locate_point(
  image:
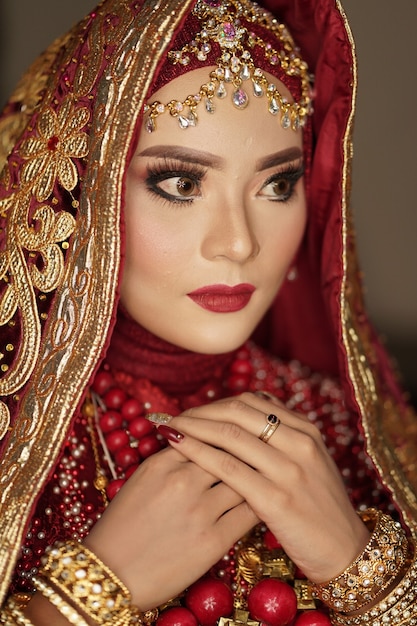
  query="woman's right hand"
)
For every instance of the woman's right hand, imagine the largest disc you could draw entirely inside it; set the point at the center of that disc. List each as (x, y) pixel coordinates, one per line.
(167, 526)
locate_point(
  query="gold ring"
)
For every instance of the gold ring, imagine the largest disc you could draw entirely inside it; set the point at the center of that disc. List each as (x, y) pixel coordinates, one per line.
(272, 423)
(159, 418)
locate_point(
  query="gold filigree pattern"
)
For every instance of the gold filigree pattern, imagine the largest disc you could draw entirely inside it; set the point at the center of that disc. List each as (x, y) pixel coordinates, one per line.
(49, 155)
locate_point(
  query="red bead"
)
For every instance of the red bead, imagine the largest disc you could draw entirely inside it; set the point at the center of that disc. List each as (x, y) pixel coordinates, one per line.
(131, 409)
(140, 427)
(114, 398)
(116, 440)
(110, 420)
(209, 599)
(126, 456)
(177, 616)
(238, 382)
(114, 487)
(312, 618)
(273, 602)
(270, 541)
(242, 366)
(148, 446)
(102, 383)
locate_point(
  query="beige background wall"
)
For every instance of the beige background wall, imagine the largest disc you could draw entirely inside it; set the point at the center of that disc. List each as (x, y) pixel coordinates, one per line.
(385, 165)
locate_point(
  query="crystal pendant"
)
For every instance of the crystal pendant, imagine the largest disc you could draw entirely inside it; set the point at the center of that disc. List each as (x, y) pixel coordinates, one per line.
(273, 106)
(245, 73)
(221, 91)
(286, 121)
(210, 108)
(183, 121)
(258, 90)
(150, 125)
(228, 76)
(192, 119)
(240, 98)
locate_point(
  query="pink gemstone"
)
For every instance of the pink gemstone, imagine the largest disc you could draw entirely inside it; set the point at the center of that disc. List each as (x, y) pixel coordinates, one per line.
(228, 30)
(213, 3)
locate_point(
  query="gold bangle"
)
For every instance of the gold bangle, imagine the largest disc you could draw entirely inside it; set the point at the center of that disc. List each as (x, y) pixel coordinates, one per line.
(89, 584)
(381, 562)
(69, 612)
(13, 610)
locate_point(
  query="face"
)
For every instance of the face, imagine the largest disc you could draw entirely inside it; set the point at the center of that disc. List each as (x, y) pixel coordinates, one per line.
(214, 217)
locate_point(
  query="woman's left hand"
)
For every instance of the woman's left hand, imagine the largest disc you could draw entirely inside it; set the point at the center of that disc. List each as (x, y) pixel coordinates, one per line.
(290, 482)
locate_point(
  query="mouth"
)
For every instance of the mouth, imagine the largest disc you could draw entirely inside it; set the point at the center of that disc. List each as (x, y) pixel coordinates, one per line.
(222, 298)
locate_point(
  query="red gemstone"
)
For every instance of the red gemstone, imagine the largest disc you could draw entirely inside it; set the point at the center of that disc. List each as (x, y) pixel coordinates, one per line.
(126, 456)
(116, 440)
(53, 143)
(148, 446)
(312, 618)
(273, 602)
(140, 427)
(102, 383)
(209, 599)
(114, 487)
(177, 616)
(110, 420)
(114, 398)
(131, 409)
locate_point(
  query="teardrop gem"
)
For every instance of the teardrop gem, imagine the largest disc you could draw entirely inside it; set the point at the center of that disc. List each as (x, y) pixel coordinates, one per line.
(221, 91)
(286, 121)
(183, 121)
(150, 125)
(258, 90)
(210, 108)
(192, 119)
(240, 98)
(245, 74)
(273, 106)
(228, 76)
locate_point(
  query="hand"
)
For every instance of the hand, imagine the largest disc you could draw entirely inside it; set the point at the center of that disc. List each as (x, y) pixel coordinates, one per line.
(167, 526)
(291, 482)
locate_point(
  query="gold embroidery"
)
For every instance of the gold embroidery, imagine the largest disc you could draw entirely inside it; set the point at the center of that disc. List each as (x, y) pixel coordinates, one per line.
(49, 155)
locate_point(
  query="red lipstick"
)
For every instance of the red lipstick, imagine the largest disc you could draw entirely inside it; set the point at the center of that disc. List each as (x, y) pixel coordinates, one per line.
(222, 298)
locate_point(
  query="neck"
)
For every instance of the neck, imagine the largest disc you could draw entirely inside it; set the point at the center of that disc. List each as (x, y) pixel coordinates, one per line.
(136, 351)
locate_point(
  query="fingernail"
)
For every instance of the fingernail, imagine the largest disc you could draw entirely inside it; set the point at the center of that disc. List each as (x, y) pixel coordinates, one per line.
(266, 395)
(159, 418)
(170, 433)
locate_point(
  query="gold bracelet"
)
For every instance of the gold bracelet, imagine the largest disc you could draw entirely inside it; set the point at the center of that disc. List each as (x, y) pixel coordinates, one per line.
(54, 598)
(372, 571)
(398, 607)
(89, 584)
(13, 610)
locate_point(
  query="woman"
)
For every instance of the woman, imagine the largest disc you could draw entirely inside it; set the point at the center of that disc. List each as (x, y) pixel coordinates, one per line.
(146, 235)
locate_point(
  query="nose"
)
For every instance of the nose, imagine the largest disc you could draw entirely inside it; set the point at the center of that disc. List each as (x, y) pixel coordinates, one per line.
(230, 234)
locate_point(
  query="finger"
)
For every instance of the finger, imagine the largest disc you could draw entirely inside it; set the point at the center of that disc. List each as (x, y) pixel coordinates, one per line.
(222, 498)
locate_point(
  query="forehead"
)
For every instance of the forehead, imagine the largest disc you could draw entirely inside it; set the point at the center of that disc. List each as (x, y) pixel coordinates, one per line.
(231, 132)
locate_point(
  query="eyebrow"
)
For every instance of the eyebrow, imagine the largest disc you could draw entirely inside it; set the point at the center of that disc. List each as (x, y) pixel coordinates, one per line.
(208, 159)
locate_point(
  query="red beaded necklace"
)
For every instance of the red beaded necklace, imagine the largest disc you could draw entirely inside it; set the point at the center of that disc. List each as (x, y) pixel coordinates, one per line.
(255, 583)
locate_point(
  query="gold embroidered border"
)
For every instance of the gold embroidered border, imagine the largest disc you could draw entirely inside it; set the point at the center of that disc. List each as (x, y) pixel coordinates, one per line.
(380, 419)
(85, 300)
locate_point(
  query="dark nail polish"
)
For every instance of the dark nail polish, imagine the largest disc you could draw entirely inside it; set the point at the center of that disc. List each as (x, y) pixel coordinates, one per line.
(170, 433)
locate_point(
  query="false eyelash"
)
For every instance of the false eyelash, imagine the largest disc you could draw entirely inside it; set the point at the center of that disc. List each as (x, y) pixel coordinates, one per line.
(292, 173)
(168, 168)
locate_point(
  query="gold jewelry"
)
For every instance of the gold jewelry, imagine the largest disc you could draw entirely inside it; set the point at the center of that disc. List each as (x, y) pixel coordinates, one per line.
(381, 562)
(272, 423)
(89, 584)
(69, 612)
(398, 607)
(14, 610)
(222, 24)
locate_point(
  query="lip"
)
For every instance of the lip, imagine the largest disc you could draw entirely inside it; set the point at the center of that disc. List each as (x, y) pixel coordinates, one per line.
(223, 298)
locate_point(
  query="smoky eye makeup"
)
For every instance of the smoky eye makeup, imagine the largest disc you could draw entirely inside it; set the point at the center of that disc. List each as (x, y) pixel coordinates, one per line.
(280, 186)
(178, 182)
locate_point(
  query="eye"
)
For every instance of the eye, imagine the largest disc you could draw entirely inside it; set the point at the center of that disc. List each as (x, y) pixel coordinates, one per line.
(180, 185)
(280, 187)
(174, 185)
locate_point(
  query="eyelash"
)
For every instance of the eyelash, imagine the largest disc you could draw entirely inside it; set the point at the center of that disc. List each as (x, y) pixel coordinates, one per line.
(166, 169)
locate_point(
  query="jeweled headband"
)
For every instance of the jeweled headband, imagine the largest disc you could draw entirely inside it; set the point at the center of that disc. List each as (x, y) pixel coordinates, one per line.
(236, 36)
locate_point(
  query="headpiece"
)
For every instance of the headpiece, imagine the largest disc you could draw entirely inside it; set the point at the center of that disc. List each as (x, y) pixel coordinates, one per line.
(235, 36)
